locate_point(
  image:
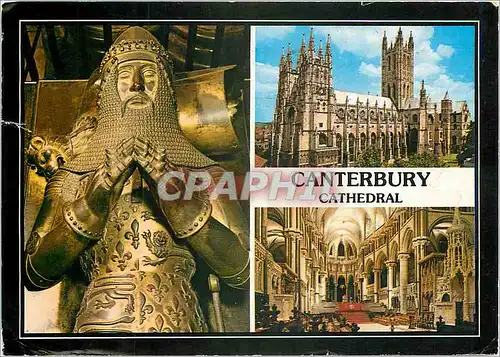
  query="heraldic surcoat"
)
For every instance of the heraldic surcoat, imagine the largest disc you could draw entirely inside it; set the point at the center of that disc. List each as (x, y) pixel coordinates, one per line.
(140, 273)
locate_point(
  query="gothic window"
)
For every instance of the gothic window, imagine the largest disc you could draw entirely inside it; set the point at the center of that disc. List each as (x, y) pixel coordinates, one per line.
(340, 112)
(331, 250)
(443, 245)
(320, 125)
(415, 118)
(349, 251)
(351, 144)
(363, 141)
(339, 141)
(389, 62)
(373, 139)
(371, 276)
(372, 114)
(322, 139)
(431, 119)
(445, 298)
(383, 277)
(411, 268)
(341, 250)
(362, 114)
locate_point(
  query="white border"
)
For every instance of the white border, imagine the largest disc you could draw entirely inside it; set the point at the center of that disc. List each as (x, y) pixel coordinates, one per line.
(23, 335)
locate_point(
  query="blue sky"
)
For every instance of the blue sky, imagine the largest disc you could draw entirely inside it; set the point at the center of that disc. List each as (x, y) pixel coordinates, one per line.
(444, 58)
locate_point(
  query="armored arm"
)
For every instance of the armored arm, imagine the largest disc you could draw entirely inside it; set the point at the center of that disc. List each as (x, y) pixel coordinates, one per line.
(52, 246)
(217, 230)
(224, 246)
(63, 231)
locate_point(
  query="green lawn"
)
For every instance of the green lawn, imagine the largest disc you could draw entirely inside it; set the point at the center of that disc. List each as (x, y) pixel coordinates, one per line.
(449, 160)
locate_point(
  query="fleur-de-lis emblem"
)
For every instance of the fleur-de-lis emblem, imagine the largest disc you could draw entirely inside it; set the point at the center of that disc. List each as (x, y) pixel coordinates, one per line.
(122, 257)
(175, 312)
(159, 290)
(186, 292)
(145, 309)
(118, 218)
(134, 234)
(159, 325)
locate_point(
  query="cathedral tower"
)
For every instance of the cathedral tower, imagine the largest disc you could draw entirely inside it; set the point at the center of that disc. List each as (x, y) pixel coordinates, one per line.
(397, 69)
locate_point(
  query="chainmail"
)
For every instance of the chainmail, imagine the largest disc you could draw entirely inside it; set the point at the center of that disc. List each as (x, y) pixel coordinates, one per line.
(156, 124)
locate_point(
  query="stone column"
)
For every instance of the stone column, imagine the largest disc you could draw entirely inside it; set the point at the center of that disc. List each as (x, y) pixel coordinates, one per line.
(360, 285)
(390, 280)
(419, 249)
(322, 286)
(316, 286)
(466, 300)
(376, 284)
(364, 287)
(403, 279)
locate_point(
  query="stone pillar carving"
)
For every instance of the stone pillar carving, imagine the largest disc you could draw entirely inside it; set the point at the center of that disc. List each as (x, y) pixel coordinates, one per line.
(390, 280)
(376, 284)
(466, 300)
(322, 286)
(403, 279)
(419, 249)
(360, 286)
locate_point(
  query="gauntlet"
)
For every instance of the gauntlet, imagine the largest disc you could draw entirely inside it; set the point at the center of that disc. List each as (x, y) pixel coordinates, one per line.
(185, 216)
(88, 215)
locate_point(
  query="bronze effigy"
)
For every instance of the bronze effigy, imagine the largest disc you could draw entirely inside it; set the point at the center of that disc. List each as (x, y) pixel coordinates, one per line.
(124, 257)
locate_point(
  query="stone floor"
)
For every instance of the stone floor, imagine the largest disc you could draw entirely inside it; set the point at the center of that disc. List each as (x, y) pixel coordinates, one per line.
(373, 327)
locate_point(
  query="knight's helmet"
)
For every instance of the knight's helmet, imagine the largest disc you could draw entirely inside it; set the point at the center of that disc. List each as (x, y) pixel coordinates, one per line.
(159, 126)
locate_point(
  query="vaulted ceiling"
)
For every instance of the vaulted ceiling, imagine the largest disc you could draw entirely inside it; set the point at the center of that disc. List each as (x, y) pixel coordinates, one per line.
(347, 225)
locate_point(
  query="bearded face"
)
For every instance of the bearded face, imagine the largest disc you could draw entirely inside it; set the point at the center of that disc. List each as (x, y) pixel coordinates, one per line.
(137, 83)
(137, 100)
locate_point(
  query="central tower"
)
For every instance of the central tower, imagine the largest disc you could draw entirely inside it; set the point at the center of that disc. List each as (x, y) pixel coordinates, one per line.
(397, 69)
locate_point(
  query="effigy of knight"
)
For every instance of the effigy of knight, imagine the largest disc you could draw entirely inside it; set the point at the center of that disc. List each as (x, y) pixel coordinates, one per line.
(103, 224)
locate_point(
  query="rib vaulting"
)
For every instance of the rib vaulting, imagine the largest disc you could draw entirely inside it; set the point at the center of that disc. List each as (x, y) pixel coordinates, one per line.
(317, 125)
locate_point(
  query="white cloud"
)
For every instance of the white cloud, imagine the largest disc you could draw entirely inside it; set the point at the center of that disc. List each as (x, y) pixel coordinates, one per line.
(273, 32)
(369, 70)
(445, 51)
(424, 70)
(366, 41)
(266, 77)
(457, 90)
(266, 87)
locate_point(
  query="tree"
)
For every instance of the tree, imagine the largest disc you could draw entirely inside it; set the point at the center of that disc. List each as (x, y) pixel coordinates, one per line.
(469, 146)
(369, 158)
(419, 160)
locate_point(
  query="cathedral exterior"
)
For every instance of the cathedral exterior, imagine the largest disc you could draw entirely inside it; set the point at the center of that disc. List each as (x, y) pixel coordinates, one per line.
(319, 126)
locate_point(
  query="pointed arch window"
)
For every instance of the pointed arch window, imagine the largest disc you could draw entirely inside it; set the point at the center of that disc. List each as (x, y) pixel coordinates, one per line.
(341, 250)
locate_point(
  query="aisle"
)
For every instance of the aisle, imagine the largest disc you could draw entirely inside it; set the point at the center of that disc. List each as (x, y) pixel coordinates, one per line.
(373, 327)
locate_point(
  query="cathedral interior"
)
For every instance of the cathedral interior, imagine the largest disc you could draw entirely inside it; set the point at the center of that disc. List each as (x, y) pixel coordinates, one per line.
(317, 124)
(412, 268)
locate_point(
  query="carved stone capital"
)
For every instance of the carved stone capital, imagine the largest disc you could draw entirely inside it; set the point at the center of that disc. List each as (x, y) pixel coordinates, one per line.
(404, 256)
